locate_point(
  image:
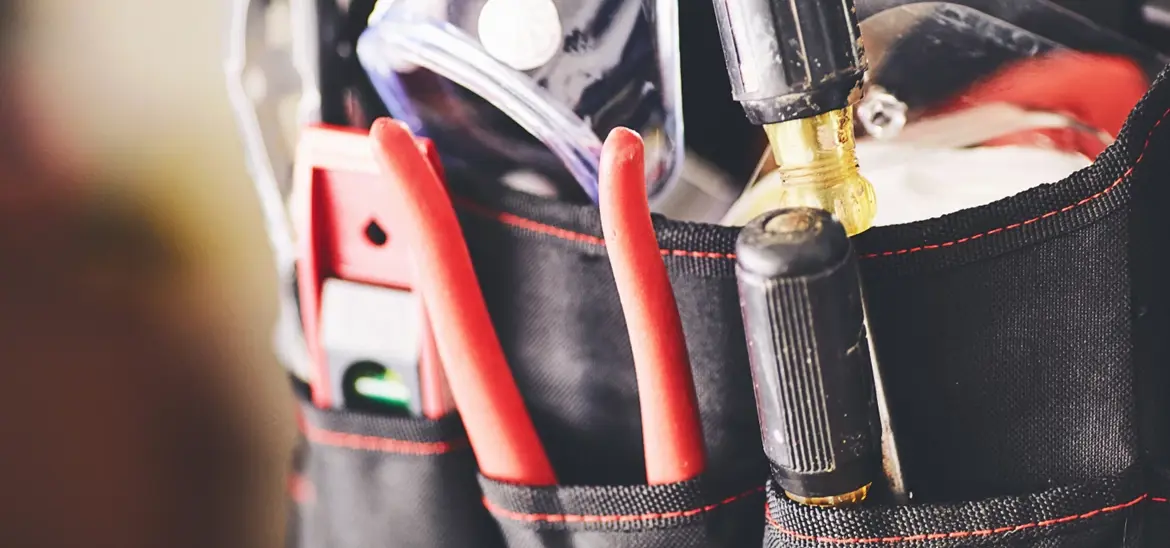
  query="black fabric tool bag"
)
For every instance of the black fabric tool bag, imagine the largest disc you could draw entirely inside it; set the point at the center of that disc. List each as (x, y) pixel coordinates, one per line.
(1024, 345)
(365, 480)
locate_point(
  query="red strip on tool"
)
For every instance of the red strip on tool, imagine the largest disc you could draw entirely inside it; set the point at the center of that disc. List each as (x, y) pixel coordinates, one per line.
(671, 431)
(342, 192)
(498, 425)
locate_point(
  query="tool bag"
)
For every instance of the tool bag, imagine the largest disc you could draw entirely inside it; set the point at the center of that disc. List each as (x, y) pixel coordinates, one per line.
(1024, 346)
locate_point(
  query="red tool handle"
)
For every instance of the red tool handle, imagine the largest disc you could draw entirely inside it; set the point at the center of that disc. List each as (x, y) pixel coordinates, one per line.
(671, 431)
(340, 194)
(498, 426)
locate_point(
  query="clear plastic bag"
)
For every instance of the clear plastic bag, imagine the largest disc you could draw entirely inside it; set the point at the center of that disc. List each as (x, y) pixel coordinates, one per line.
(532, 85)
(931, 55)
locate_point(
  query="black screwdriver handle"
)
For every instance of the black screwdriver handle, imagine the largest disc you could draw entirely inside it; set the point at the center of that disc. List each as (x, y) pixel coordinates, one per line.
(801, 301)
(791, 59)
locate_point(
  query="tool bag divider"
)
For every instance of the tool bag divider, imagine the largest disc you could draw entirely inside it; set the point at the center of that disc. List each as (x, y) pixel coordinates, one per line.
(1025, 344)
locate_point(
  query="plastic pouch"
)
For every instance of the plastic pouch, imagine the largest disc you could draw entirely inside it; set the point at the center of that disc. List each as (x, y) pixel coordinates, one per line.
(529, 85)
(932, 57)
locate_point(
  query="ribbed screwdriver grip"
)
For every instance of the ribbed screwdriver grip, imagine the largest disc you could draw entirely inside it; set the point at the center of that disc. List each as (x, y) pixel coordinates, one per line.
(801, 301)
(801, 392)
(790, 59)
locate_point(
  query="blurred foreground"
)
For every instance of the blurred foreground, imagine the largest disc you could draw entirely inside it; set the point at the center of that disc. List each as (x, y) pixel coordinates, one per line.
(141, 404)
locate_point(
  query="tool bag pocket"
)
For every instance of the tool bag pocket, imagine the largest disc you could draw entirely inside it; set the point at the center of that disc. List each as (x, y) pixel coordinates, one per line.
(1157, 531)
(1023, 345)
(683, 515)
(1108, 512)
(370, 481)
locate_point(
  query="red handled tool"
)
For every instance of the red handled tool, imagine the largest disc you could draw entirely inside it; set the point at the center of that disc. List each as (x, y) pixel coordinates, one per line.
(350, 233)
(671, 431)
(498, 425)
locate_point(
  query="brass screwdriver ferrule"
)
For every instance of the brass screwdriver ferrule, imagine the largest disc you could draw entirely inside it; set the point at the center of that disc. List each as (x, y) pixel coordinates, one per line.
(817, 162)
(853, 497)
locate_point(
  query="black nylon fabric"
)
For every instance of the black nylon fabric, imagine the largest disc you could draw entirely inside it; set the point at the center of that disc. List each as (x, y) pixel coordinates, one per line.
(686, 515)
(1016, 337)
(1025, 344)
(1044, 325)
(1150, 226)
(379, 482)
(1037, 389)
(1097, 513)
(557, 314)
(1156, 530)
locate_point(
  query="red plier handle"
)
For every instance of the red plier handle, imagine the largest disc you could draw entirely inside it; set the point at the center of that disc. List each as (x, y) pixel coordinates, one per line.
(498, 425)
(672, 434)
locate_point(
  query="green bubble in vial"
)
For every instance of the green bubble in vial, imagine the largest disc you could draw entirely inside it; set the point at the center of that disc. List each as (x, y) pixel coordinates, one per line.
(386, 388)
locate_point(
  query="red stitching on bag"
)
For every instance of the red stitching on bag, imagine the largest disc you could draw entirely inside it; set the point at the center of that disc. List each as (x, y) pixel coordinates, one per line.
(527, 224)
(556, 232)
(1160, 499)
(955, 534)
(373, 443)
(549, 230)
(572, 518)
(1125, 176)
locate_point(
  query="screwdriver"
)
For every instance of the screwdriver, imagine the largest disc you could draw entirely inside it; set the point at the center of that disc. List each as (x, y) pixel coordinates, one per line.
(796, 67)
(803, 315)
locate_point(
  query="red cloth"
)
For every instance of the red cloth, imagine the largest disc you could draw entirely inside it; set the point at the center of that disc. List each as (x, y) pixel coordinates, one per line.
(1094, 89)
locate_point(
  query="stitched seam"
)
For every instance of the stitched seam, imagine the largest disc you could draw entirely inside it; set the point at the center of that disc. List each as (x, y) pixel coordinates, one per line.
(955, 534)
(372, 443)
(564, 234)
(1124, 177)
(1160, 499)
(576, 518)
(561, 233)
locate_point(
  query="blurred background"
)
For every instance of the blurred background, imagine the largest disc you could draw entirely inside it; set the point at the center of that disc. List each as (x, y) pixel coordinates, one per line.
(140, 401)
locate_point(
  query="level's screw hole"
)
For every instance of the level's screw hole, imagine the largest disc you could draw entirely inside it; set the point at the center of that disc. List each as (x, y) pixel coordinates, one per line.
(375, 234)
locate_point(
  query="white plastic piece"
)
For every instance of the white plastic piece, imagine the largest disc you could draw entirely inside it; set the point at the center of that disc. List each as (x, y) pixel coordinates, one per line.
(369, 320)
(702, 193)
(523, 34)
(365, 323)
(982, 123)
(915, 183)
(529, 182)
(925, 170)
